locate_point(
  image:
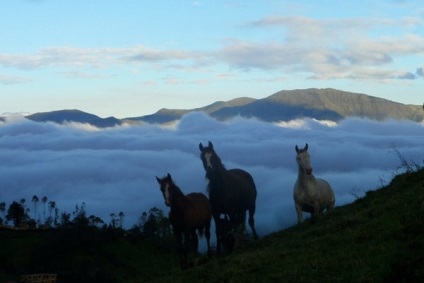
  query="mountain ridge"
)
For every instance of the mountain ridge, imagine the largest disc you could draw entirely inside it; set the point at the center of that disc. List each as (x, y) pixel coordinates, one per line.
(322, 104)
(285, 105)
(74, 115)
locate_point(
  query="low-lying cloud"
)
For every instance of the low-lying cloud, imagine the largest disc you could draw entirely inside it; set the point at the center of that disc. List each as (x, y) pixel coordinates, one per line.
(113, 170)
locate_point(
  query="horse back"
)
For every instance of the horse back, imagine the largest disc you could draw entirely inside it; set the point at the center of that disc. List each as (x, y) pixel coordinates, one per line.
(327, 193)
(245, 185)
(199, 210)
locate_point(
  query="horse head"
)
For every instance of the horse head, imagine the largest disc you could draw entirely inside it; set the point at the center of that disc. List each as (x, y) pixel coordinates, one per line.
(210, 159)
(303, 159)
(166, 184)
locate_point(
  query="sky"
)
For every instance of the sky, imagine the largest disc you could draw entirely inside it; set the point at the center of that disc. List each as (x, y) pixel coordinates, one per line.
(115, 169)
(131, 58)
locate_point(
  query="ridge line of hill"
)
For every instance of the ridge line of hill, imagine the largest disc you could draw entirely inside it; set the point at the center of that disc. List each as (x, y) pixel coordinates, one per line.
(321, 104)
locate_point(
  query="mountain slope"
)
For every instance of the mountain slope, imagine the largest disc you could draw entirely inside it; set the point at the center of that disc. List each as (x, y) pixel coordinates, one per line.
(378, 238)
(321, 104)
(345, 103)
(78, 116)
(165, 115)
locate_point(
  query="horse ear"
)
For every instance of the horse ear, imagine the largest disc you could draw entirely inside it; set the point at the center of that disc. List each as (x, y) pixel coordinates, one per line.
(306, 147)
(201, 146)
(297, 149)
(169, 176)
(210, 145)
(157, 179)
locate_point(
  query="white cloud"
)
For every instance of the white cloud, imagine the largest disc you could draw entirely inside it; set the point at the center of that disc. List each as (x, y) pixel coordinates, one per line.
(333, 54)
(11, 80)
(93, 57)
(114, 170)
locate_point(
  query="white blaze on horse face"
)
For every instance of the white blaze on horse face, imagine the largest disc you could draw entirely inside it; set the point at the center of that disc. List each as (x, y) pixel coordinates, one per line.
(304, 162)
(166, 195)
(208, 156)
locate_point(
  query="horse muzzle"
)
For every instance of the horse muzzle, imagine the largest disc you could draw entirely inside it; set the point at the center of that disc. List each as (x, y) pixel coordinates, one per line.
(167, 202)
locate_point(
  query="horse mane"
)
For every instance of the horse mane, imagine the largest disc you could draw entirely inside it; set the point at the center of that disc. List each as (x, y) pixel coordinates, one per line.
(177, 189)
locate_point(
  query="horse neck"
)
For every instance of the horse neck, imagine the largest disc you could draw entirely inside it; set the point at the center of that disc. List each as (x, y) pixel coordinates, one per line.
(178, 199)
(304, 178)
(217, 179)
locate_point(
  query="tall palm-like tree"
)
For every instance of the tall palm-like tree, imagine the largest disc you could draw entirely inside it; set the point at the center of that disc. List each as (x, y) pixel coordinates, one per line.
(44, 200)
(121, 219)
(52, 206)
(35, 202)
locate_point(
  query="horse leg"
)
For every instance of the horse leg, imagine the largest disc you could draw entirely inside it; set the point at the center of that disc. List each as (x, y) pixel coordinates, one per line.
(330, 208)
(316, 213)
(181, 249)
(217, 231)
(252, 222)
(208, 237)
(241, 220)
(233, 220)
(187, 245)
(299, 213)
(195, 241)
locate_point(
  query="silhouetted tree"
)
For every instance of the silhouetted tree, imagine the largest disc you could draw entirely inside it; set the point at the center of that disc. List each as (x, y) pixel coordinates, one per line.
(65, 219)
(80, 216)
(2, 211)
(35, 202)
(121, 219)
(51, 206)
(154, 223)
(26, 210)
(95, 221)
(56, 217)
(164, 225)
(16, 214)
(44, 200)
(113, 220)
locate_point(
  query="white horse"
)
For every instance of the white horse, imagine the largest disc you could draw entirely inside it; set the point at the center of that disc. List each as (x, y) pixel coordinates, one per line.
(310, 194)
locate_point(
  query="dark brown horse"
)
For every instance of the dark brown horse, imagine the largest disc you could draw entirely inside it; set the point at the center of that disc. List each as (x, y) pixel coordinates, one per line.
(231, 192)
(188, 213)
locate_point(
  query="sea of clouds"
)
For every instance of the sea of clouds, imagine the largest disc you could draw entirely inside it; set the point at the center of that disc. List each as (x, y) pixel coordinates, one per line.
(113, 170)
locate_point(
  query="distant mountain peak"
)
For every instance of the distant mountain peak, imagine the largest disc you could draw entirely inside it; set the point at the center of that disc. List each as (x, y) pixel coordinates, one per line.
(74, 115)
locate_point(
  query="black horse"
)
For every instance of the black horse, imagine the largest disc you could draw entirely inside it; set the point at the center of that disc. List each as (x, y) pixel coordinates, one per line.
(231, 192)
(188, 213)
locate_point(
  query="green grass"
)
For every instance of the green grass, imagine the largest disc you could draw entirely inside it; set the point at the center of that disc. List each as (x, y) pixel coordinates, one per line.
(378, 238)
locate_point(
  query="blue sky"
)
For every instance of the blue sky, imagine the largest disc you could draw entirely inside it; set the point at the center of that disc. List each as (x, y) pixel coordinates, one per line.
(131, 58)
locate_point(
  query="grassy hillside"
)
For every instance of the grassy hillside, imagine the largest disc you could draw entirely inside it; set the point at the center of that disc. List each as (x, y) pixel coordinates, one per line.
(378, 238)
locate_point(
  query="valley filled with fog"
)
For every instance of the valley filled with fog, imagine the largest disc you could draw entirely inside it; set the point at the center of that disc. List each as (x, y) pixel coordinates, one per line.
(113, 169)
